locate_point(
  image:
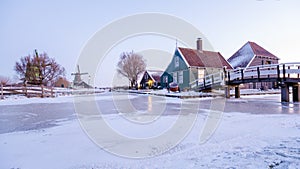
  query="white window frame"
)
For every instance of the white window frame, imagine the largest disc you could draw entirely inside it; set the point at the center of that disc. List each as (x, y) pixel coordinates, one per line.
(180, 77)
(201, 75)
(175, 77)
(176, 61)
(166, 79)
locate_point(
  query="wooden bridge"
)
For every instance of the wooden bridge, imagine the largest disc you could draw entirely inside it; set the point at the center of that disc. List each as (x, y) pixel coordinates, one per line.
(286, 75)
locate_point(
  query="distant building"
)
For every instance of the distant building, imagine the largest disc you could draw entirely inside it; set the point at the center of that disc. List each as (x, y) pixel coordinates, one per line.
(251, 54)
(78, 82)
(189, 66)
(151, 79)
(62, 82)
(80, 85)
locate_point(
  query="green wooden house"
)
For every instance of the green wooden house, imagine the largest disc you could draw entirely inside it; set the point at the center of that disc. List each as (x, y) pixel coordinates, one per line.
(188, 66)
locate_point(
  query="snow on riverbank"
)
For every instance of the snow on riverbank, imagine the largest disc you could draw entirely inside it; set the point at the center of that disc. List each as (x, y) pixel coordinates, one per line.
(61, 95)
(20, 99)
(194, 94)
(241, 141)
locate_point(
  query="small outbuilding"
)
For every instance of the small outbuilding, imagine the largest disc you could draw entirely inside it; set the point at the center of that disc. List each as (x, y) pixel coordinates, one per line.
(151, 79)
(62, 82)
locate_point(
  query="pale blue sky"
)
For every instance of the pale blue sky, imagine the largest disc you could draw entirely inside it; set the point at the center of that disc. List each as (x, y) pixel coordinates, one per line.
(61, 28)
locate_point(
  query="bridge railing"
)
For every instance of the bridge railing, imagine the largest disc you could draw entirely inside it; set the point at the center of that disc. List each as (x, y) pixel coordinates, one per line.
(208, 80)
(253, 73)
(279, 71)
(291, 70)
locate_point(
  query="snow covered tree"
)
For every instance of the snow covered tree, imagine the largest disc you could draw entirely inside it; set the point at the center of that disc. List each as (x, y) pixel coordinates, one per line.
(39, 69)
(131, 65)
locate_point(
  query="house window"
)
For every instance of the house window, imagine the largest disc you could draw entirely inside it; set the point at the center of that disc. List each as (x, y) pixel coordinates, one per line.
(175, 77)
(166, 79)
(180, 77)
(176, 61)
(268, 62)
(200, 75)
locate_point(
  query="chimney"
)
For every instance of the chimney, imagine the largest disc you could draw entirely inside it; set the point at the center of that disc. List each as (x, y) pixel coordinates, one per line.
(199, 44)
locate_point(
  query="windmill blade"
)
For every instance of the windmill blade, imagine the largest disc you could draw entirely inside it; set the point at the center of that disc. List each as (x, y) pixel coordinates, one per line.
(78, 70)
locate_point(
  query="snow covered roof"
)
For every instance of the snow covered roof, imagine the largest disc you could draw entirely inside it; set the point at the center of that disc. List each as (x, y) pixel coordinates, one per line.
(203, 58)
(155, 74)
(245, 54)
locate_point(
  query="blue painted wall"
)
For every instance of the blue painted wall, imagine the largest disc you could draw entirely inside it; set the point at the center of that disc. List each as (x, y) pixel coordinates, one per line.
(177, 67)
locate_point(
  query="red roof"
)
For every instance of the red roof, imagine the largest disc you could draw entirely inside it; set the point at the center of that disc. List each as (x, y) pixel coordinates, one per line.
(204, 58)
(246, 53)
(260, 51)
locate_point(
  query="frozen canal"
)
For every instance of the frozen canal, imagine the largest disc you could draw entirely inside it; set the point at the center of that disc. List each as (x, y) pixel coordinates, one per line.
(35, 115)
(253, 132)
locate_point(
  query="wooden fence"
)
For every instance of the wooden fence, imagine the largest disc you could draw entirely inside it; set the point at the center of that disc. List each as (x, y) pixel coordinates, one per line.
(28, 91)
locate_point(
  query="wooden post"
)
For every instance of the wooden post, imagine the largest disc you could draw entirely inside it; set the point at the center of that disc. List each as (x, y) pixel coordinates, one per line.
(237, 92)
(225, 73)
(2, 97)
(278, 73)
(25, 89)
(42, 87)
(285, 97)
(283, 71)
(52, 93)
(227, 92)
(258, 74)
(296, 93)
(242, 74)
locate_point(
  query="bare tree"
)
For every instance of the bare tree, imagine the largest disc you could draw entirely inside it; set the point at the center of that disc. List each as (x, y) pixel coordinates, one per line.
(39, 69)
(131, 65)
(3, 82)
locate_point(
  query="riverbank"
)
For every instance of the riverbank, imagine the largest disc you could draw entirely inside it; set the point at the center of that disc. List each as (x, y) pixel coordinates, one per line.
(193, 94)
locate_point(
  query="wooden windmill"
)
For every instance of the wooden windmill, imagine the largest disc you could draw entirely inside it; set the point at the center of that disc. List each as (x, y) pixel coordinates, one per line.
(77, 79)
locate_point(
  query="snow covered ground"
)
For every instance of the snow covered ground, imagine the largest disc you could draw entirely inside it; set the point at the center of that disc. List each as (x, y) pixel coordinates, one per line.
(245, 136)
(194, 94)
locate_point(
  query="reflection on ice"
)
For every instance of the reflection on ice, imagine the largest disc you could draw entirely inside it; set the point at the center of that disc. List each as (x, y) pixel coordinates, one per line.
(149, 103)
(290, 108)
